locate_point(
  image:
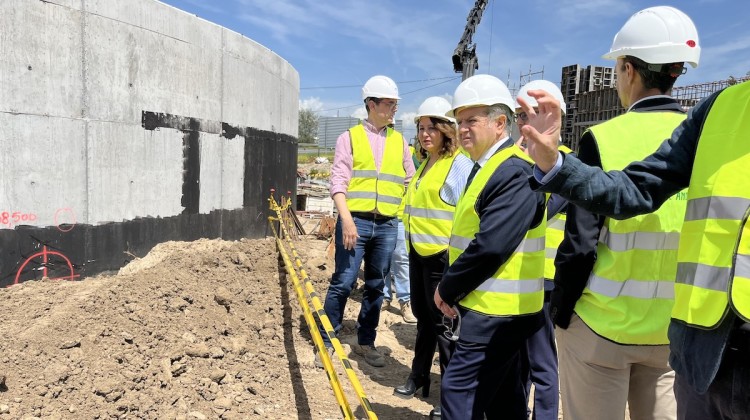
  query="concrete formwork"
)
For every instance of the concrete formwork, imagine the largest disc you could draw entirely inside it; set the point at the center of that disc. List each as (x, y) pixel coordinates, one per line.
(124, 124)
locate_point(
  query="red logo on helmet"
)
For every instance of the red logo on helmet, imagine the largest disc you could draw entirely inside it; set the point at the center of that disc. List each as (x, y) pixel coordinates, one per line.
(691, 43)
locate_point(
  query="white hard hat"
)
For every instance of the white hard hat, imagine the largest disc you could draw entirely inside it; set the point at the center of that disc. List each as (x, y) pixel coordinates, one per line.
(658, 35)
(544, 85)
(380, 87)
(481, 89)
(434, 106)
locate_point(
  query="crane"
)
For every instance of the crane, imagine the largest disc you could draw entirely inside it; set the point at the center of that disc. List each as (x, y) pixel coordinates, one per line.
(464, 56)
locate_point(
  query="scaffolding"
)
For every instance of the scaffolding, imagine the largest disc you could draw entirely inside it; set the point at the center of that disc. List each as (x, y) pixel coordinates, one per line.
(588, 108)
(688, 96)
(575, 81)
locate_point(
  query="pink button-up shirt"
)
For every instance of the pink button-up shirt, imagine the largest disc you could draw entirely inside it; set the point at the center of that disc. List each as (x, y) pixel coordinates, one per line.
(341, 172)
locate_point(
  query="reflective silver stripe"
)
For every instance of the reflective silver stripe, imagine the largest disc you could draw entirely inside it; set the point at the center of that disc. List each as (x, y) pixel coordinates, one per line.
(703, 276)
(631, 288)
(550, 252)
(731, 208)
(742, 266)
(652, 241)
(361, 194)
(429, 213)
(391, 178)
(389, 199)
(460, 242)
(512, 286)
(531, 245)
(556, 223)
(428, 239)
(360, 173)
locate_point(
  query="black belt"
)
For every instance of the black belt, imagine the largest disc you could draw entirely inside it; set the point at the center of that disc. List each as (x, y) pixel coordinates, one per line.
(371, 216)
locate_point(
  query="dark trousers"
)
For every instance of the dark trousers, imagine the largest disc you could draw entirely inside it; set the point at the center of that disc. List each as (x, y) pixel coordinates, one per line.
(424, 275)
(539, 366)
(728, 397)
(484, 379)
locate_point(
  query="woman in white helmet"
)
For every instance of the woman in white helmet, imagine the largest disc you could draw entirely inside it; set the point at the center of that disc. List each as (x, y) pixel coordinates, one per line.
(428, 218)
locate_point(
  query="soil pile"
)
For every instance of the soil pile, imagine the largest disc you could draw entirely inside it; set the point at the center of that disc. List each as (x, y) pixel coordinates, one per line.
(199, 330)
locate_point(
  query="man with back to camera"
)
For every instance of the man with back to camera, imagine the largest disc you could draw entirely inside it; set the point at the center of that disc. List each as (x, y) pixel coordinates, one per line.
(614, 279)
(709, 335)
(371, 167)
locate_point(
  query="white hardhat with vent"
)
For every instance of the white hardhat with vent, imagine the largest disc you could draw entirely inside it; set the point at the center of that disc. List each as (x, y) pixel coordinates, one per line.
(380, 87)
(436, 107)
(481, 89)
(658, 35)
(544, 85)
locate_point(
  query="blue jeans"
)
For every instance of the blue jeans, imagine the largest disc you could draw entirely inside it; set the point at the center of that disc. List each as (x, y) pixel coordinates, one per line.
(375, 244)
(399, 274)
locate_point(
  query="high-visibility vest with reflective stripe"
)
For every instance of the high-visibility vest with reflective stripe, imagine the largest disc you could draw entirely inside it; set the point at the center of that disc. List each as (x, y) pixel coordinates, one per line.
(714, 257)
(629, 295)
(554, 235)
(517, 287)
(428, 219)
(369, 189)
(553, 238)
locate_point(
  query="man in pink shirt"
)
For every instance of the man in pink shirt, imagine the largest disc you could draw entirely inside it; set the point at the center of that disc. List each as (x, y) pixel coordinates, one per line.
(371, 167)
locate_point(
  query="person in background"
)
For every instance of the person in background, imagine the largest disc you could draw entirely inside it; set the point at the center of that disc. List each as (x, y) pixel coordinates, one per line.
(371, 168)
(428, 217)
(398, 277)
(493, 288)
(539, 356)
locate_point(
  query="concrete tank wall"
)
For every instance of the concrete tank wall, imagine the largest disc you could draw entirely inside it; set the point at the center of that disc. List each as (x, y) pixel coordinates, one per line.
(128, 123)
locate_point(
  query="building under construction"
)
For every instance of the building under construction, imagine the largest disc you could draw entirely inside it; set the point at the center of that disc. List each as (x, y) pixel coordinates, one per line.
(591, 97)
(575, 82)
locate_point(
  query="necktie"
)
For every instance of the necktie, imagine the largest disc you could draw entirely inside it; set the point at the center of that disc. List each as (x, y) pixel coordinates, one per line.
(473, 172)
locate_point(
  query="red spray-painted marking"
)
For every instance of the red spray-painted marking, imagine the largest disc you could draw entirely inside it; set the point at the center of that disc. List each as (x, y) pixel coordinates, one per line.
(11, 218)
(45, 259)
(65, 213)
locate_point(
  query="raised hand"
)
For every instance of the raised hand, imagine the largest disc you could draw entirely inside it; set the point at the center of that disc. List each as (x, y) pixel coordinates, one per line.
(542, 131)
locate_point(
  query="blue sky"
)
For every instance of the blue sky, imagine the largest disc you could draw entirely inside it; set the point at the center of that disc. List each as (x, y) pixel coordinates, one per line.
(337, 46)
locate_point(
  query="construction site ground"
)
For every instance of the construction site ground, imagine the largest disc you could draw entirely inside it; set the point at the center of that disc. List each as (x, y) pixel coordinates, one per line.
(194, 330)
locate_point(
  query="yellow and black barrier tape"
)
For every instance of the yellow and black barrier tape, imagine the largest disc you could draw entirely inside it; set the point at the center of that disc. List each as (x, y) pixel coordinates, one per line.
(326, 323)
(338, 392)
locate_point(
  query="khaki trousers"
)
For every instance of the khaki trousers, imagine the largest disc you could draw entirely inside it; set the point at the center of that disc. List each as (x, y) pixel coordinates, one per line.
(598, 377)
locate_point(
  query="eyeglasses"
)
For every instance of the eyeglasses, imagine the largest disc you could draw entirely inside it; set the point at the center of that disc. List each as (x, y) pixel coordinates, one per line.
(388, 104)
(521, 116)
(450, 333)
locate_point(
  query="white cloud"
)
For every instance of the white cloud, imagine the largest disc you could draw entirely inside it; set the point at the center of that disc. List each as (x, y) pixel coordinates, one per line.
(359, 113)
(313, 104)
(407, 117)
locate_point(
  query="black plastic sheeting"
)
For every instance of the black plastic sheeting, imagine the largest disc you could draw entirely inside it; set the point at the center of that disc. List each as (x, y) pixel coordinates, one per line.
(270, 161)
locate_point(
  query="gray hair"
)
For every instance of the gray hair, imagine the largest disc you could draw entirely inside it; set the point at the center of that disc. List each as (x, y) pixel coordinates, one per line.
(496, 110)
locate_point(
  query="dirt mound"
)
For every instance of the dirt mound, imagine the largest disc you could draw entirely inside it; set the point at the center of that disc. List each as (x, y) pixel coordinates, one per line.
(206, 329)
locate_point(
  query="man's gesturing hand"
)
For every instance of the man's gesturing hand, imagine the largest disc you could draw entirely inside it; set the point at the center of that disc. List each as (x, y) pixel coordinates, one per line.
(542, 132)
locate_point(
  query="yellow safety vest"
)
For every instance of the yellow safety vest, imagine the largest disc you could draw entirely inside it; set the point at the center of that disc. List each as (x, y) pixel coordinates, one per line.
(553, 238)
(554, 235)
(714, 257)
(517, 287)
(369, 189)
(630, 292)
(428, 219)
